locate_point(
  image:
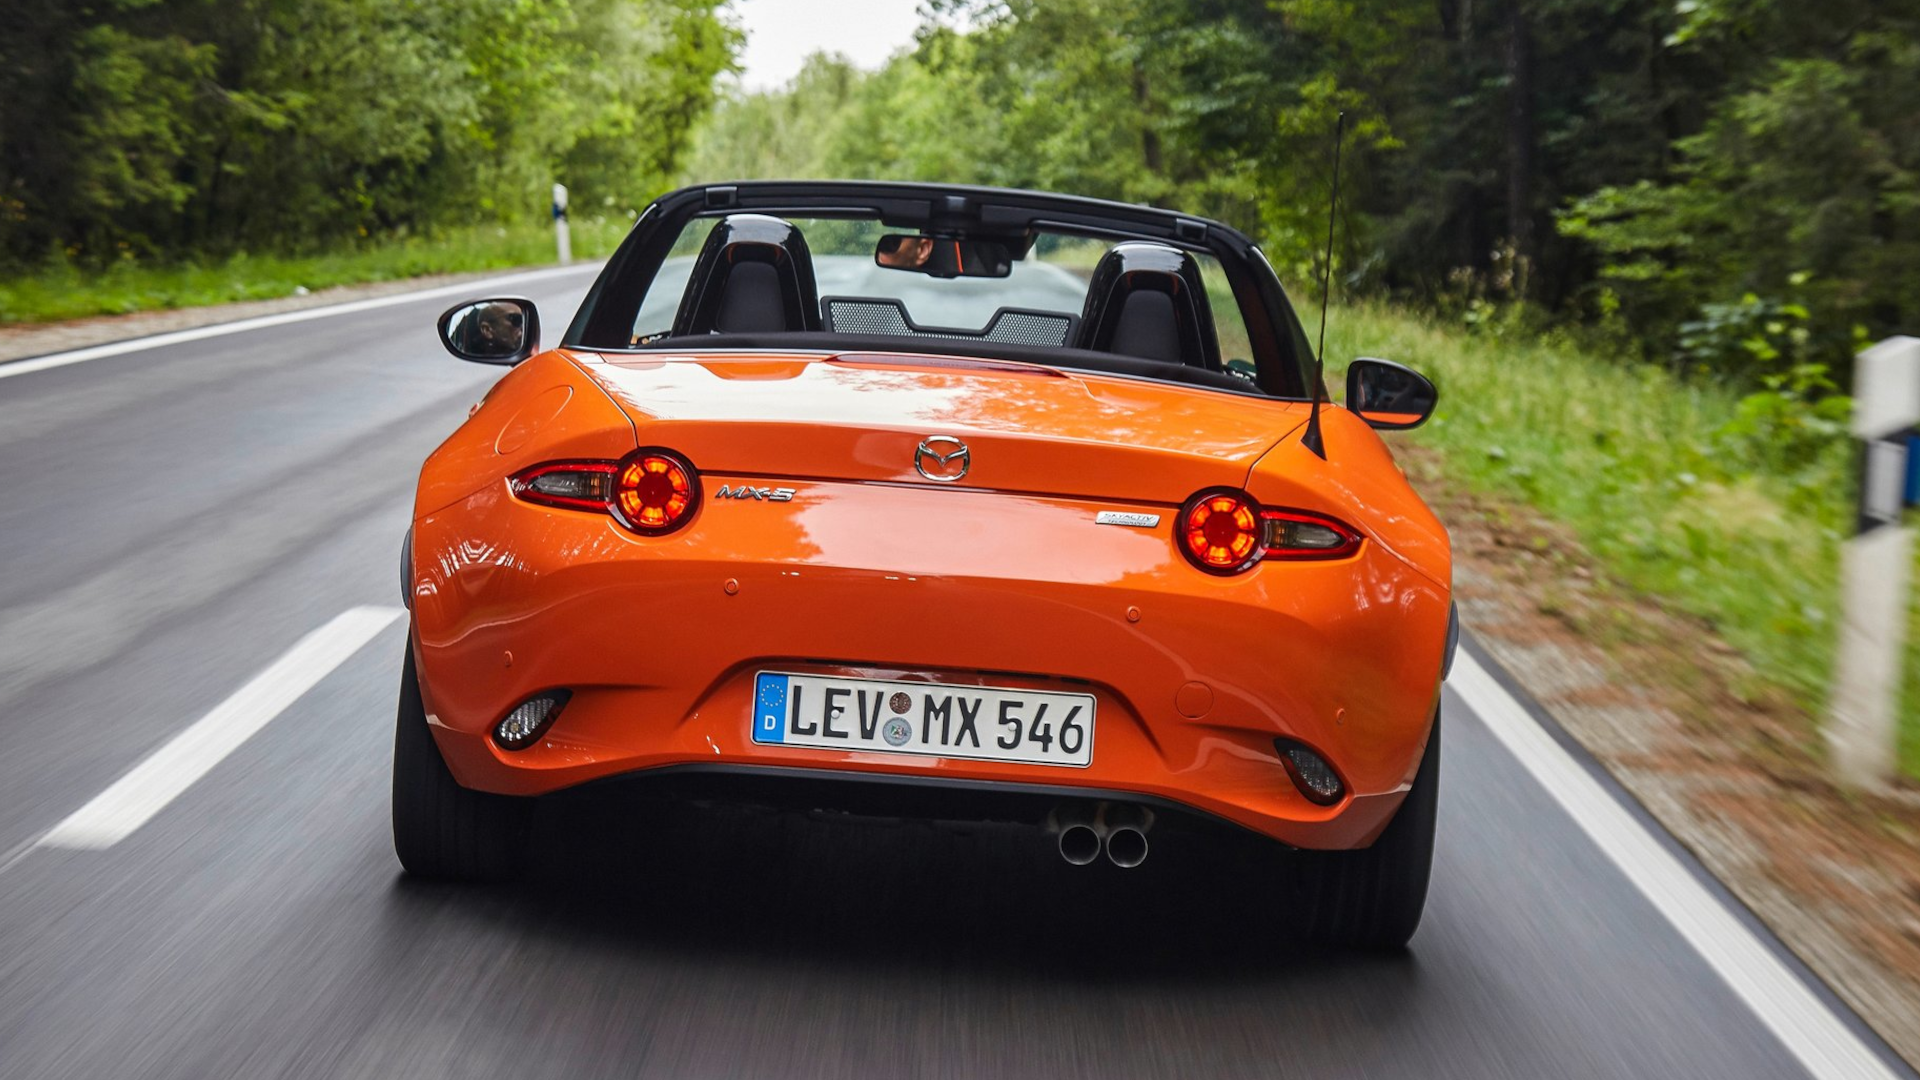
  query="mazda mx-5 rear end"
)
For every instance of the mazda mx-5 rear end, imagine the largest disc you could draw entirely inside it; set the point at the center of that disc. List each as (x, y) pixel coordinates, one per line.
(917, 558)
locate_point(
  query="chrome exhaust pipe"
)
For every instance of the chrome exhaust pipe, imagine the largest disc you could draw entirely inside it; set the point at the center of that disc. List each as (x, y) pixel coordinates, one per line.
(1126, 835)
(1127, 847)
(1079, 844)
(1079, 833)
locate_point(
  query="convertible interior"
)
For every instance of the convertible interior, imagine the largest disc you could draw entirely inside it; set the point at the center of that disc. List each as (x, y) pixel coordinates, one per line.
(1145, 312)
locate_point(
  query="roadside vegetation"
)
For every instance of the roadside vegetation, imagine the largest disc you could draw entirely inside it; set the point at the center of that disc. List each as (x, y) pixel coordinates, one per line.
(1678, 486)
(1727, 189)
(71, 290)
(166, 152)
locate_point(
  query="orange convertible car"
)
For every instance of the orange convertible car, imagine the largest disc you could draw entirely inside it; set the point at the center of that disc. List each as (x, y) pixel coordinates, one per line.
(959, 501)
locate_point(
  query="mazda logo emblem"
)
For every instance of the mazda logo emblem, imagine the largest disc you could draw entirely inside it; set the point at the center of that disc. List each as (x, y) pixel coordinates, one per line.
(942, 459)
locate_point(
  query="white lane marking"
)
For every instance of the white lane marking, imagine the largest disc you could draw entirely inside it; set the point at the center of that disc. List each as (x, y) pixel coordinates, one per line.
(261, 322)
(1823, 1043)
(115, 813)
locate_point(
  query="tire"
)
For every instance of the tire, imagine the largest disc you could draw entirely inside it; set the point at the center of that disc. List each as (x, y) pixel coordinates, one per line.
(441, 830)
(1373, 898)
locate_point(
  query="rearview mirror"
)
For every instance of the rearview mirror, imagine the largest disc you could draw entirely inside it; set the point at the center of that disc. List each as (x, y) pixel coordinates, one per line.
(943, 256)
(1389, 396)
(502, 330)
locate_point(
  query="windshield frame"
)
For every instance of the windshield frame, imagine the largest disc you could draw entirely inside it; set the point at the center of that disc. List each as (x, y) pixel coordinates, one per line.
(1281, 355)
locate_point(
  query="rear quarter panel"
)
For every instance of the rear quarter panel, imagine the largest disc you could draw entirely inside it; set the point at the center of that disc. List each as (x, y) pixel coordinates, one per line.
(544, 409)
(1394, 636)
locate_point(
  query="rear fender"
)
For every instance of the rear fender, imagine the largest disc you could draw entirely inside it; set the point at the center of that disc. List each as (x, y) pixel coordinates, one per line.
(546, 409)
(1360, 483)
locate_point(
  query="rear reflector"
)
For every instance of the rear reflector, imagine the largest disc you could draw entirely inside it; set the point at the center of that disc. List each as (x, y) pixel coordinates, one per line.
(1310, 773)
(529, 720)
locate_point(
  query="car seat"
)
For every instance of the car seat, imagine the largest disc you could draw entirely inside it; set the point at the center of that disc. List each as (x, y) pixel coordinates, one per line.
(754, 275)
(1147, 300)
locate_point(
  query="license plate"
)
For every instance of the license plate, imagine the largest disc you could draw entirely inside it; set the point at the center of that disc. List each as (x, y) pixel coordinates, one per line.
(989, 723)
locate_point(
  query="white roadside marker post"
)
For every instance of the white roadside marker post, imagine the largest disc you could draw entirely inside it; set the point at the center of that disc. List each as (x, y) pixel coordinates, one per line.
(1863, 717)
(562, 233)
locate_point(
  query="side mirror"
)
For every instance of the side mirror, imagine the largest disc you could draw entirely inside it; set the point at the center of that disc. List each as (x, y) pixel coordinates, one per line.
(1389, 396)
(503, 330)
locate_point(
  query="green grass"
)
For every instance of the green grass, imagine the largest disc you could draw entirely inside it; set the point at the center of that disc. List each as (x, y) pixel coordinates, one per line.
(67, 292)
(1641, 465)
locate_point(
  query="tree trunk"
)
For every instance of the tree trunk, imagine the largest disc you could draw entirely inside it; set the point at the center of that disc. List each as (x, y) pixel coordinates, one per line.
(1520, 166)
(1149, 138)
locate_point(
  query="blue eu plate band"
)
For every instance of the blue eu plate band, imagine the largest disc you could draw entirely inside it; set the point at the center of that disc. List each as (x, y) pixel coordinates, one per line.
(770, 708)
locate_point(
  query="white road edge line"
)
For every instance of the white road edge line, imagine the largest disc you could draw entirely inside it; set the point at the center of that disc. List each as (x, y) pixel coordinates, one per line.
(1804, 1024)
(11, 368)
(117, 812)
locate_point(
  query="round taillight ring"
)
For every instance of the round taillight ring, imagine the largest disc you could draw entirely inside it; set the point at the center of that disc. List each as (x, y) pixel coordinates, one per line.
(655, 491)
(1219, 530)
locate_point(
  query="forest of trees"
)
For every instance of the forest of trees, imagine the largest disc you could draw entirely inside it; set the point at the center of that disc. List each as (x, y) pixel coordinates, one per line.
(177, 129)
(1726, 186)
(1723, 185)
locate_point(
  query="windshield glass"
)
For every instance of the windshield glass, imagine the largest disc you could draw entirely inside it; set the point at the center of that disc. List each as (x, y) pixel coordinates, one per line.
(1041, 302)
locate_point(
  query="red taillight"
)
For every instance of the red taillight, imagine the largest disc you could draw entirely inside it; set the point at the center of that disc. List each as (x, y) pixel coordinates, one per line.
(1223, 531)
(1220, 531)
(650, 491)
(654, 491)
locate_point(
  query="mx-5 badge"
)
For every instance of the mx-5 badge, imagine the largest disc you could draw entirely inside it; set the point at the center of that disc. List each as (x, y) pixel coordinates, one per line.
(742, 491)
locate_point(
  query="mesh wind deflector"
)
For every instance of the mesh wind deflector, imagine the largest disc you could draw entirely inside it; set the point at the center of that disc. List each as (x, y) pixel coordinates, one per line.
(859, 315)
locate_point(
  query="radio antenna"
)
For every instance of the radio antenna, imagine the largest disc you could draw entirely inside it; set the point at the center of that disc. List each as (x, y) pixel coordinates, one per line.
(1312, 440)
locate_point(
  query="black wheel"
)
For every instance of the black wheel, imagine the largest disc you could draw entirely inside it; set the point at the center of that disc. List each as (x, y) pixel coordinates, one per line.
(1372, 898)
(440, 829)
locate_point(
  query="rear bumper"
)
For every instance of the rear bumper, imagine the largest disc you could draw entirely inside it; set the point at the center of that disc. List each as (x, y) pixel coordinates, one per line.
(659, 640)
(889, 797)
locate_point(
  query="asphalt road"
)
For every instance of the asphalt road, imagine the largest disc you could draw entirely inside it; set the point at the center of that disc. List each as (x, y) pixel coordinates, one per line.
(177, 518)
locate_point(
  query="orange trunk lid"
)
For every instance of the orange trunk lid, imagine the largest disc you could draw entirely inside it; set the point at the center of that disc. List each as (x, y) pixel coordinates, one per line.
(865, 417)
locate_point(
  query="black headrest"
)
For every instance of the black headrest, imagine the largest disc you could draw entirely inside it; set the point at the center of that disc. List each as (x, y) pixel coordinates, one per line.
(754, 276)
(1147, 300)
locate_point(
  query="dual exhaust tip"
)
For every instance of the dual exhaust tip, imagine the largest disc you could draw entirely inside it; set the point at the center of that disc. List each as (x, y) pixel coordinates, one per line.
(1116, 829)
